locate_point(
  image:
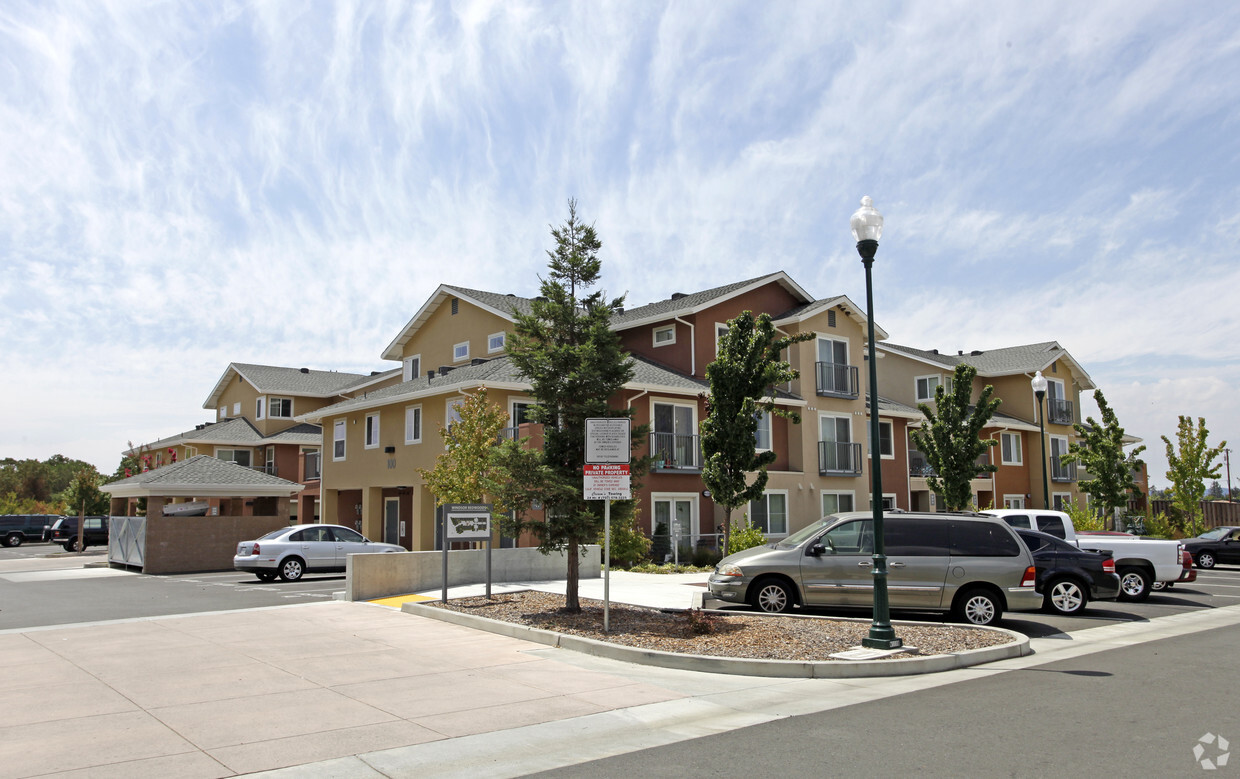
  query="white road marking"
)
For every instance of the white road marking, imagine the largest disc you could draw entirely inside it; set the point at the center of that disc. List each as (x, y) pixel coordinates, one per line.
(63, 574)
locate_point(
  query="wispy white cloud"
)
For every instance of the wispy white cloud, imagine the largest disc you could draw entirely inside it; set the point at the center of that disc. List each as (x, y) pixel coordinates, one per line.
(184, 185)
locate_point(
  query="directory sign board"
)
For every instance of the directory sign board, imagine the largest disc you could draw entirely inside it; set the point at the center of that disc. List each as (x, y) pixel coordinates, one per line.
(607, 440)
(468, 521)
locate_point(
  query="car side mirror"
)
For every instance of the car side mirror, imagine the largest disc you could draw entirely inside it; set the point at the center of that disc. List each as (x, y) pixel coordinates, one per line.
(816, 550)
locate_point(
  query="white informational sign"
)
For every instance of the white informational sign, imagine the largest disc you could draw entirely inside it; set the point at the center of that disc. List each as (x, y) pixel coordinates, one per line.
(607, 482)
(468, 521)
(607, 440)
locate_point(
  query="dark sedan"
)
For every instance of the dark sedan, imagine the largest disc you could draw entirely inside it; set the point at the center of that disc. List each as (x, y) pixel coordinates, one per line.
(1220, 545)
(1068, 577)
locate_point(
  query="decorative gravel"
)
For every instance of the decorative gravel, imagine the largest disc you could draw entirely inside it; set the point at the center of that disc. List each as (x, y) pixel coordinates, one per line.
(754, 636)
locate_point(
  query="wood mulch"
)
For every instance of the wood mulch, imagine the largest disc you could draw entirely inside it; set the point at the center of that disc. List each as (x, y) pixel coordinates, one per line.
(752, 636)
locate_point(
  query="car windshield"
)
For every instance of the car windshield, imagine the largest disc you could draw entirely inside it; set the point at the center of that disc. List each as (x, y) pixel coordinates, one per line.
(274, 534)
(1215, 534)
(799, 537)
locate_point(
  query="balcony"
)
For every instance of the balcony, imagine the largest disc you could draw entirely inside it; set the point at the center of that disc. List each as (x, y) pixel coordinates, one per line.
(1059, 412)
(270, 470)
(918, 466)
(836, 380)
(675, 452)
(839, 458)
(1061, 472)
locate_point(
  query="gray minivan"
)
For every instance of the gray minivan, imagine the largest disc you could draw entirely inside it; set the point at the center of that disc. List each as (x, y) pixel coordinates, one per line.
(970, 565)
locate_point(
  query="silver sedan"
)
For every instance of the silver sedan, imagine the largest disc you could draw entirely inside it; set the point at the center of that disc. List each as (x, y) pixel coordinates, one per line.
(293, 551)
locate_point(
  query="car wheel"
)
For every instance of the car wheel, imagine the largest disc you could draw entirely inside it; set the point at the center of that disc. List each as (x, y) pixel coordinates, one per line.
(292, 569)
(1160, 586)
(1065, 596)
(71, 545)
(266, 576)
(977, 607)
(13, 539)
(772, 596)
(1134, 585)
(1205, 560)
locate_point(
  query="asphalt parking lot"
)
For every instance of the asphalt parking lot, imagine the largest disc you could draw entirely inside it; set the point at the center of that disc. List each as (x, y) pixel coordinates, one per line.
(42, 585)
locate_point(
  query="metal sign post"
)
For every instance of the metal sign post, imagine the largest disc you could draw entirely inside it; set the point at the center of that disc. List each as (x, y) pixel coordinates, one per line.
(608, 452)
(466, 522)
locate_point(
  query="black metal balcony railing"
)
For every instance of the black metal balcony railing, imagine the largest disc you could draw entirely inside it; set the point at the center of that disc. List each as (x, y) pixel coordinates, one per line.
(837, 380)
(1061, 472)
(509, 434)
(673, 451)
(312, 466)
(1059, 412)
(839, 458)
(270, 470)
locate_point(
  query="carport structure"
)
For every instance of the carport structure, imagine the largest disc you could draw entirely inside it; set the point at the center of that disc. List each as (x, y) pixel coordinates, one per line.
(240, 503)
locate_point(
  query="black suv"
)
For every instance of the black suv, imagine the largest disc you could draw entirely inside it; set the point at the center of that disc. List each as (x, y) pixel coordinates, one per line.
(17, 529)
(65, 533)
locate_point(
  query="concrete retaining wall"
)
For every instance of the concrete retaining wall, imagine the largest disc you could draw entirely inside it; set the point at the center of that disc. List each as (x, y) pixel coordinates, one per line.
(371, 576)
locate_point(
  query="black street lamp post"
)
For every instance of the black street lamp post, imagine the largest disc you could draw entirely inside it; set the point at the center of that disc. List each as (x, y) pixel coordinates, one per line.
(1039, 390)
(867, 228)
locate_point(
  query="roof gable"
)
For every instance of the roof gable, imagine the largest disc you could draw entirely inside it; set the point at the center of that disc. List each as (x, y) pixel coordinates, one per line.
(498, 304)
(273, 379)
(680, 305)
(1006, 361)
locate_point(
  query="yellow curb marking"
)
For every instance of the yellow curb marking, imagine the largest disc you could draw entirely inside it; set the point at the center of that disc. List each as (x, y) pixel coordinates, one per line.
(396, 600)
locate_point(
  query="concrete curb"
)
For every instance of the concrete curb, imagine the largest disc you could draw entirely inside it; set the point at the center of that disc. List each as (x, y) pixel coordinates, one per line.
(793, 669)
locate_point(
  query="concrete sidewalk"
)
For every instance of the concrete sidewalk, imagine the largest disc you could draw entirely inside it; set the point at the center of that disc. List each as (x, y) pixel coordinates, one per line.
(355, 689)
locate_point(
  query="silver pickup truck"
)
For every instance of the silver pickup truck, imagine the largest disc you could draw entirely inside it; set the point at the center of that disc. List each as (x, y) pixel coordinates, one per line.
(1139, 561)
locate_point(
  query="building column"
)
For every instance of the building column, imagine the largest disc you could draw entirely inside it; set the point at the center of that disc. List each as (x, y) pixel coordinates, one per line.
(327, 507)
(372, 512)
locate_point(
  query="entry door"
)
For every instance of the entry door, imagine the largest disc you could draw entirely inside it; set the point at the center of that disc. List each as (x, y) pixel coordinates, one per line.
(391, 520)
(836, 433)
(679, 512)
(674, 434)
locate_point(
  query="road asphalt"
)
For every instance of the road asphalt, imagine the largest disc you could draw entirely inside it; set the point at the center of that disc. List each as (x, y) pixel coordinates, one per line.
(340, 689)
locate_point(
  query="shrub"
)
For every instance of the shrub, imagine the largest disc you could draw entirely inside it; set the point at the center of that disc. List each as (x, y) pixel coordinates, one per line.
(661, 545)
(1083, 519)
(705, 557)
(668, 568)
(701, 622)
(1158, 525)
(745, 537)
(629, 545)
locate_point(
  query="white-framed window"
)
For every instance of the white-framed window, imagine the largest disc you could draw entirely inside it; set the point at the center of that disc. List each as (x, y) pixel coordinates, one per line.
(411, 368)
(223, 413)
(495, 343)
(721, 329)
(413, 424)
(460, 351)
(762, 436)
(372, 431)
(889, 501)
(886, 438)
(674, 434)
(258, 408)
(769, 513)
(927, 384)
(280, 408)
(238, 456)
(191, 451)
(1014, 501)
(664, 336)
(519, 411)
(836, 501)
(1010, 450)
(835, 450)
(237, 409)
(338, 431)
(1061, 500)
(271, 461)
(452, 414)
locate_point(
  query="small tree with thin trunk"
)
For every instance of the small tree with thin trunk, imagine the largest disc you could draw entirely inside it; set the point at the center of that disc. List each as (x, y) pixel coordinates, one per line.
(742, 380)
(1100, 449)
(1189, 467)
(461, 473)
(951, 438)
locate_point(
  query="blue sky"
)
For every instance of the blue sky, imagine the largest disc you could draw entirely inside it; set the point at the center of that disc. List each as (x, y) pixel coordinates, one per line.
(187, 184)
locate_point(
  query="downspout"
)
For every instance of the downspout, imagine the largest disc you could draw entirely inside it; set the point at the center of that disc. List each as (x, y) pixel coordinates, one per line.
(692, 346)
(630, 406)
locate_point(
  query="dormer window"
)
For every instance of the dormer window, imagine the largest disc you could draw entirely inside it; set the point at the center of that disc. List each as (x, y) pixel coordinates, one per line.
(664, 336)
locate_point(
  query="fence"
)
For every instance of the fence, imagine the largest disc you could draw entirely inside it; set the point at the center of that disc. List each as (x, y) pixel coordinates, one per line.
(1214, 513)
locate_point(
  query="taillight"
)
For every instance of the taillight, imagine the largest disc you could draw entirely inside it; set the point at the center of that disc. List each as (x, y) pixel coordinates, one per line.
(254, 550)
(1108, 565)
(1031, 577)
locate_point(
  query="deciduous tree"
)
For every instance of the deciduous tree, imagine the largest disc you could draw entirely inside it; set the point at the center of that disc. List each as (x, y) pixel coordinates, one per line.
(951, 438)
(462, 473)
(742, 380)
(1100, 449)
(1190, 464)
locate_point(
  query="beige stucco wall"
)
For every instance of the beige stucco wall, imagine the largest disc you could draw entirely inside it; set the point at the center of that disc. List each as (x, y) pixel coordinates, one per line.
(435, 339)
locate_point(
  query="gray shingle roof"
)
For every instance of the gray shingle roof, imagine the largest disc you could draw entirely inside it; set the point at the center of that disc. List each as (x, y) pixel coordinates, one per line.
(505, 304)
(303, 433)
(692, 301)
(292, 381)
(1011, 359)
(202, 470)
